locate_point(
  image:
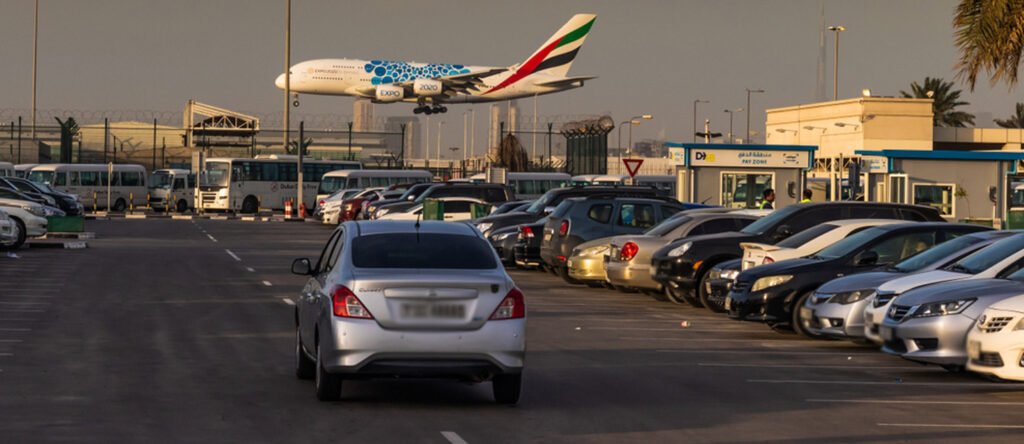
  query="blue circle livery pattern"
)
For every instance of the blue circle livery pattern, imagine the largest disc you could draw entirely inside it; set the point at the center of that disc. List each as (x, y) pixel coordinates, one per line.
(385, 72)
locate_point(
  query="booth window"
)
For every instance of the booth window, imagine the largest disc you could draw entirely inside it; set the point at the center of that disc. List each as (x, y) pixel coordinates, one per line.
(742, 190)
(939, 196)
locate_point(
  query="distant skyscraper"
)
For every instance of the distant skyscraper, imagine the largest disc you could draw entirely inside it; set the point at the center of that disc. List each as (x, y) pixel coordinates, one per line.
(362, 115)
(819, 92)
(513, 117)
(494, 131)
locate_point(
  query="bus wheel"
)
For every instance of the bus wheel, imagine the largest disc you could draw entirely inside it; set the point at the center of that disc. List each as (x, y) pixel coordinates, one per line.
(250, 205)
(181, 206)
(119, 206)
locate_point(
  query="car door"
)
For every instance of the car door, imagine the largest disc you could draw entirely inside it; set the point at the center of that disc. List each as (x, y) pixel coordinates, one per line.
(309, 302)
(635, 218)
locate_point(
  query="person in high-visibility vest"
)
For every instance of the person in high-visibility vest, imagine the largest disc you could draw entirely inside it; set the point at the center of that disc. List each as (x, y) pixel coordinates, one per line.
(807, 196)
(768, 199)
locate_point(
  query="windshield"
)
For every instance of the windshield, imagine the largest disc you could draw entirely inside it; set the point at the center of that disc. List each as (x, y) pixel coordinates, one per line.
(160, 180)
(937, 253)
(415, 190)
(540, 204)
(987, 257)
(41, 176)
(763, 224)
(851, 244)
(217, 174)
(330, 184)
(803, 237)
(422, 251)
(666, 226)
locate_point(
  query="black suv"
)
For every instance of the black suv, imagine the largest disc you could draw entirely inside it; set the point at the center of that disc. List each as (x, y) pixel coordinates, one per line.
(774, 293)
(581, 219)
(682, 265)
(488, 192)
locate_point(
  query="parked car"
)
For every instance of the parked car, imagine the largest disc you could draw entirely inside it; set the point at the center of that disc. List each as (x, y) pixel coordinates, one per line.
(775, 293)
(682, 266)
(629, 258)
(67, 202)
(837, 308)
(526, 250)
(388, 298)
(28, 193)
(503, 240)
(456, 209)
(375, 197)
(995, 346)
(338, 208)
(409, 195)
(930, 324)
(586, 264)
(9, 230)
(582, 219)
(29, 217)
(1002, 258)
(508, 207)
(491, 193)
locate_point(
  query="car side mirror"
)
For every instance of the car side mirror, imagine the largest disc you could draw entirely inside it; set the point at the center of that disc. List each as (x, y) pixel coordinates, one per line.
(865, 258)
(549, 210)
(302, 267)
(783, 232)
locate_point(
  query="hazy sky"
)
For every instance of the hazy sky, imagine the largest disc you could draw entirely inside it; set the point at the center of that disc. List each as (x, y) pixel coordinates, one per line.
(651, 56)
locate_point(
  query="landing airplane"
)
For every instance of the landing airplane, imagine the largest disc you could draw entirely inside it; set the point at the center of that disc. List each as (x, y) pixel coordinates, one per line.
(432, 85)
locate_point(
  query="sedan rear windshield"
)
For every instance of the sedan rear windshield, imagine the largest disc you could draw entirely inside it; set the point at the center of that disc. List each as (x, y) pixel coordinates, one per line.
(852, 243)
(763, 224)
(934, 254)
(666, 226)
(803, 237)
(987, 257)
(422, 250)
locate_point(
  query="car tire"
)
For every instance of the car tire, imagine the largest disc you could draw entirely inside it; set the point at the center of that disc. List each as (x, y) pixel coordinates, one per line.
(305, 368)
(798, 321)
(19, 238)
(595, 284)
(119, 206)
(563, 272)
(327, 385)
(181, 206)
(954, 368)
(250, 205)
(675, 295)
(657, 295)
(507, 388)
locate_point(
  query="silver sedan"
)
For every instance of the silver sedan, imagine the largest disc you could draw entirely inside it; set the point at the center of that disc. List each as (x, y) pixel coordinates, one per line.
(406, 299)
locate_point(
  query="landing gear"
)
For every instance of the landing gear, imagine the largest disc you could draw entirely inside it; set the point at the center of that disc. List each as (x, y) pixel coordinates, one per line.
(295, 100)
(428, 110)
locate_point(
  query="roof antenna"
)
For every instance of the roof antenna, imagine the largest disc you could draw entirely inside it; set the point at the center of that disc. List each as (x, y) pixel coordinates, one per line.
(418, 216)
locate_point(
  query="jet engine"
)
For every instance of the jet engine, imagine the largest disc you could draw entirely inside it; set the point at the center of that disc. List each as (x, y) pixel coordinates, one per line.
(426, 87)
(390, 93)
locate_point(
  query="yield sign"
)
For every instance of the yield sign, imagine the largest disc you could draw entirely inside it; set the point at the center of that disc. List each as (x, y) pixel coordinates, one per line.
(632, 166)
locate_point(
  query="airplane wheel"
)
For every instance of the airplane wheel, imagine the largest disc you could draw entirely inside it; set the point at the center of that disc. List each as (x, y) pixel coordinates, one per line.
(417, 110)
(295, 103)
(444, 109)
(428, 111)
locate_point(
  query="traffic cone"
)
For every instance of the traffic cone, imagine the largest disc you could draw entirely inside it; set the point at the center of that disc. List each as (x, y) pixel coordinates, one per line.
(302, 210)
(288, 208)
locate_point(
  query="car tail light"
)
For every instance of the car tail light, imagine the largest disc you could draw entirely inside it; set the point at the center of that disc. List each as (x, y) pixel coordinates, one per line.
(526, 232)
(563, 228)
(322, 202)
(512, 307)
(347, 305)
(767, 260)
(629, 251)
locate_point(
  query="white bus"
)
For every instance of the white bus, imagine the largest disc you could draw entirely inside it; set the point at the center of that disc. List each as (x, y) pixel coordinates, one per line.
(172, 189)
(90, 182)
(246, 185)
(21, 170)
(6, 169)
(360, 179)
(530, 185)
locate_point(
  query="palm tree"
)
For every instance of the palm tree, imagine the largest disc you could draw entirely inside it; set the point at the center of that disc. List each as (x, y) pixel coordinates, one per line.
(945, 101)
(1014, 121)
(990, 37)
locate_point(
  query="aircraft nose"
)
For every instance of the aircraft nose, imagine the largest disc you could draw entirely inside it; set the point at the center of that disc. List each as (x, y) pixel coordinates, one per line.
(280, 81)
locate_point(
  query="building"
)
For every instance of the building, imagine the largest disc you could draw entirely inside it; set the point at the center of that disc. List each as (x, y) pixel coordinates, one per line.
(362, 115)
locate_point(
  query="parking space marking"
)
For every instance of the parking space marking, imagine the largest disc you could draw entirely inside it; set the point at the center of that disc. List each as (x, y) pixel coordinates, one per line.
(954, 426)
(896, 401)
(453, 437)
(288, 301)
(25, 303)
(250, 269)
(268, 284)
(14, 329)
(895, 383)
(10, 341)
(6, 354)
(766, 365)
(19, 310)
(209, 301)
(233, 255)
(211, 238)
(630, 338)
(765, 351)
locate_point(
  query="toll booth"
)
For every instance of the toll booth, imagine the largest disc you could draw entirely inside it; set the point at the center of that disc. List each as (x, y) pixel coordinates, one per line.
(736, 176)
(983, 187)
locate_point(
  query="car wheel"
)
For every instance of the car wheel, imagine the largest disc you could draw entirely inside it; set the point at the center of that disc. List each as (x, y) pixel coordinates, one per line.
(182, 206)
(564, 273)
(675, 295)
(595, 284)
(250, 205)
(507, 388)
(119, 206)
(328, 385)
(19, 234)
(799, 324)
(305, 368)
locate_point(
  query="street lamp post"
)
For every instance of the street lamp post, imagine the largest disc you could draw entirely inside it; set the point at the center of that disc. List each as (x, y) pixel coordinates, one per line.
(835, 68)
(637, 119)
(746, 137)
(731, 113)
(695, 102)
(287, 69)
(439, 141)
(35, 53)
(465, 134)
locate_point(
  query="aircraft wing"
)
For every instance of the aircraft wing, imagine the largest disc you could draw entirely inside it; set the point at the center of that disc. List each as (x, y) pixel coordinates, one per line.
(459, 83)
(568, 81)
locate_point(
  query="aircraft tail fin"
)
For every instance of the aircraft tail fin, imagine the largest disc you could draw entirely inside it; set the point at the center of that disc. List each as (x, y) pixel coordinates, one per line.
(556, 55)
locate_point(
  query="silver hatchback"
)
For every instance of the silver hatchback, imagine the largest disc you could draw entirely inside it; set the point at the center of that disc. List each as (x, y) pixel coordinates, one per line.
(409, 299)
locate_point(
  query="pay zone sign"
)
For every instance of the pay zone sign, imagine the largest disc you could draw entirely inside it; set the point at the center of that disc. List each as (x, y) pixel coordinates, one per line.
(750, 158)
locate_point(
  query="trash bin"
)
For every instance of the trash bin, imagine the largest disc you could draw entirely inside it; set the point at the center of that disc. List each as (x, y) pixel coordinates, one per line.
(477, 211)
(433, 209)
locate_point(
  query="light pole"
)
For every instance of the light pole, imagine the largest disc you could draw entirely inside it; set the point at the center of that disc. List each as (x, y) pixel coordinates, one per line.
(835, 68)
(638, 120)
(695, 102)
(746, 137)
(465, 134)
(472, 132)
(287, 69)
(35, 53)
(731, 113)
(439, 141)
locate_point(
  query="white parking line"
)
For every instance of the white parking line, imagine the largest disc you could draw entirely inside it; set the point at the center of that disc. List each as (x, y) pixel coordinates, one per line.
(10, 341)
(211, 238)
(233, 255)
(887, 383)
(25, 303)
(954, 426)
(765, 351)
(14, 329)
(853, 367)
(19, 310)
(268, 284)
(250, 269)
(894, 401)
(6, 354)
(802, 341)
(288, 301)
(453, 438)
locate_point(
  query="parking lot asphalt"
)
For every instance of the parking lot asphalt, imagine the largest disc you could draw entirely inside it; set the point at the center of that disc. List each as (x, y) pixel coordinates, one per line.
(182, 331)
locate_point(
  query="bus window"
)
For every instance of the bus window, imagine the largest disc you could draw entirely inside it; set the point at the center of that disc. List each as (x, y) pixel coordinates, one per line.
(179, 183)
(60, 179)
(130, 179)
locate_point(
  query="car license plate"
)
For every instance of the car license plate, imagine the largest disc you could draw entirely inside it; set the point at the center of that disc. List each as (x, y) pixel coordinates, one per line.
(547, 236)
(728, 303)
(433, 311)
(885, 333)
(974, 350)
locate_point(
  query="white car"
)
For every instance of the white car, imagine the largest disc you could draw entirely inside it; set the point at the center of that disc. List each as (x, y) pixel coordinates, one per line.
(1000, 259)
(9, 231)
(995, 346)
(807, 242)
(29, 217)
(456, 209)
(330, 209)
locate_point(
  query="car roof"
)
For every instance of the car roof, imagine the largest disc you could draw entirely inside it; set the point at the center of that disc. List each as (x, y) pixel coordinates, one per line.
(409, 226)
(871, 222)
(628, 198)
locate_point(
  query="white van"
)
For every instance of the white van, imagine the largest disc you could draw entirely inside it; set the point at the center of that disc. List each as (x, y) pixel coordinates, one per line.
(172, 189)
(6, 169)
(362, 179)
(21, 170)
(127, 184)
(529, 185)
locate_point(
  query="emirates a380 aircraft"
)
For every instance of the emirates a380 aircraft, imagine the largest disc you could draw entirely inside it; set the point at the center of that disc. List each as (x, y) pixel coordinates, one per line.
(432, 85)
